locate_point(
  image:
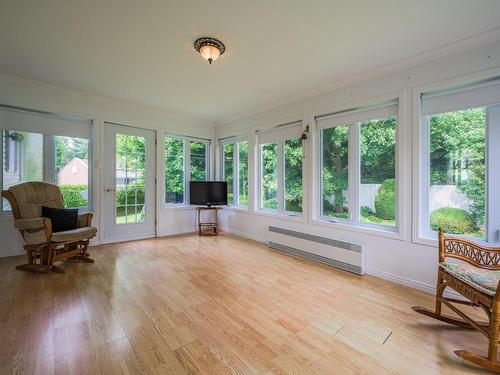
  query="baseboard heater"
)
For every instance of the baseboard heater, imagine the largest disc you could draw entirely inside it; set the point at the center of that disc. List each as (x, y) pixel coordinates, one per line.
(344, 255)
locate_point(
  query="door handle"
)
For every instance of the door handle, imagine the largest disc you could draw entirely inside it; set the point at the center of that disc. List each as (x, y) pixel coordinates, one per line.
(109, 190)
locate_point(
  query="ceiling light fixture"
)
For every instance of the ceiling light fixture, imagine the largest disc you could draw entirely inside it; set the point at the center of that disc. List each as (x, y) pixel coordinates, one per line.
(209, 48)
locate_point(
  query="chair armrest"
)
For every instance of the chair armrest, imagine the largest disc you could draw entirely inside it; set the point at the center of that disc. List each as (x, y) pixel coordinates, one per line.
(35, 231)
(85, 220)
(31, 224)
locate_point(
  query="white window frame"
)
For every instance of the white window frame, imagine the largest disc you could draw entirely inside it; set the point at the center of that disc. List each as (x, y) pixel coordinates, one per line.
(235, 141)
(352, 117)
(279, 135)
(187, 166)
(422, 234)
(49, 171)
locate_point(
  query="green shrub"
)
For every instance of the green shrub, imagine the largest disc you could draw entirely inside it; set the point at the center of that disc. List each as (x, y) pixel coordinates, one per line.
(385, 200)
(129, 193)
(366, 211)
(72, 195)
(452, 220)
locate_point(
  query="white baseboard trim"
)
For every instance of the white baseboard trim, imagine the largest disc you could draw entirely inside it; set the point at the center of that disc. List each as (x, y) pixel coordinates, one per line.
(127, 238)
(244, 235)
(164, 233)
(431, 289)
(427, 288)
(12, 253)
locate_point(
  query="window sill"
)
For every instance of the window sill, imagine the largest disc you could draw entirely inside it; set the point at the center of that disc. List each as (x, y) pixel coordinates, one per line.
(359, 228)
(237, 209)
(178, 207)
(280, 215)
(432, 240)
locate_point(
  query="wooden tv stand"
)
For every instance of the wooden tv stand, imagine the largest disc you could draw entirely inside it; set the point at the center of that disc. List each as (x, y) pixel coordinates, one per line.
(208, 228)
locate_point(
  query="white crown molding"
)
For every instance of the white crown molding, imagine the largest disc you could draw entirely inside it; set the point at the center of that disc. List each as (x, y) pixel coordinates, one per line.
(442, 51)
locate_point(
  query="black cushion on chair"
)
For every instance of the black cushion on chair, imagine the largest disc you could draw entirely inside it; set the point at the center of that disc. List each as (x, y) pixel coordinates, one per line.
(62, 219)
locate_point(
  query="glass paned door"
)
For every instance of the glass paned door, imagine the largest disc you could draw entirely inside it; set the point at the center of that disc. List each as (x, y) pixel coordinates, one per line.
(129, 194)
(129, 179)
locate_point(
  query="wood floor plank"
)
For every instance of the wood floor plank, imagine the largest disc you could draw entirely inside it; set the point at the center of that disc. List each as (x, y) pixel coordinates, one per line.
(217, 305)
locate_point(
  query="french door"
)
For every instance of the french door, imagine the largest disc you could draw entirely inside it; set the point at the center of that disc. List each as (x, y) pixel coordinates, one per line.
(129, 183)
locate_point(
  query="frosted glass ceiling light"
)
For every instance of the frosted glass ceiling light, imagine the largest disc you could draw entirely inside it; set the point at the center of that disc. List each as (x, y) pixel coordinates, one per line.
(209, 48)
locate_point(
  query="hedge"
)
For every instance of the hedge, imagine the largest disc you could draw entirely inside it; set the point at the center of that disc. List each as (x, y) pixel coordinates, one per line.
(130, 193)
(385, 200)
(452, 220)
(72, 196)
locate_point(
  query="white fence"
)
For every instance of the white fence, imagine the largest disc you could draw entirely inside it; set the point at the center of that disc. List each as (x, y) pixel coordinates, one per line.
(439, 196)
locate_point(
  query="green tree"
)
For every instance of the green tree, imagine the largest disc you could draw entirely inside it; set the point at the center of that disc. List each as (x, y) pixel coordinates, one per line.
(335, 172)
(457, 154)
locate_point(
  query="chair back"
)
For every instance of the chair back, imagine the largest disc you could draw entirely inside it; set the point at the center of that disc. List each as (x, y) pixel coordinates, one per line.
(478, 255)
(27, 199)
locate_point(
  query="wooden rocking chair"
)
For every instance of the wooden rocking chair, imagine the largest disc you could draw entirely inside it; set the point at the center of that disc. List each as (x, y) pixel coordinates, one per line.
(476, 278)
(44, 248)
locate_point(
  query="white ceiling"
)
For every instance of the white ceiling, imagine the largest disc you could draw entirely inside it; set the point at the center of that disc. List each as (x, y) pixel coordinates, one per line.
(141, 51)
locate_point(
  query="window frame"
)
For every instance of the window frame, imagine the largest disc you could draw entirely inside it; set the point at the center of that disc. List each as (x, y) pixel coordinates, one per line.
(283, 134)
(352, 117)
(49, 172)
(421, 159)
(187, 166)
(235, 141)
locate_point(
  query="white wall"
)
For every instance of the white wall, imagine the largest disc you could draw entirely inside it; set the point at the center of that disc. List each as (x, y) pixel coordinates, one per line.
(38, 96)
(402, 258)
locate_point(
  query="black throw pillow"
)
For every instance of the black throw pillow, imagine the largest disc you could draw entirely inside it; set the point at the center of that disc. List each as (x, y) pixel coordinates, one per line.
(62, 219)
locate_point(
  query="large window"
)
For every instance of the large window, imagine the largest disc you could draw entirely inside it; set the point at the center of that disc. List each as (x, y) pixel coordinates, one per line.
(38, 147)
(186, 159)
(235, 171)
(280, 156)
(458, 129)
(358, 167)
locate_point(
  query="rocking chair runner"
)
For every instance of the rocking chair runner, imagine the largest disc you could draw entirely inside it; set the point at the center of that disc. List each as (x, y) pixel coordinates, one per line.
(476, 278)
(44, 248)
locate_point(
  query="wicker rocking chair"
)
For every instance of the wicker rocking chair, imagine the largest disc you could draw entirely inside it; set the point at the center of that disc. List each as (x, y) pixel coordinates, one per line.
(476, 278)
(44, 248)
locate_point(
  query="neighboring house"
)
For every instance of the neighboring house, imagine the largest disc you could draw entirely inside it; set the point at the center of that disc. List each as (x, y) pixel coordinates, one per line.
(76, 172)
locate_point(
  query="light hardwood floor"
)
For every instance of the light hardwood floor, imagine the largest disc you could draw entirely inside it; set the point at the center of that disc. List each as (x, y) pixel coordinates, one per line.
(215, 305)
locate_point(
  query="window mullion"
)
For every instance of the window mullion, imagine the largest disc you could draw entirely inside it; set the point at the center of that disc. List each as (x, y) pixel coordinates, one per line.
(353, 167)
(424, 175)
(49, 162)
(187, 170)
(281, 176)
(492, 175)
(236, 174)
(3, 166)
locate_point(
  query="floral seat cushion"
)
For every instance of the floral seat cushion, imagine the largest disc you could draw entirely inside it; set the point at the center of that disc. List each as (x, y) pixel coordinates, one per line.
(484, 280)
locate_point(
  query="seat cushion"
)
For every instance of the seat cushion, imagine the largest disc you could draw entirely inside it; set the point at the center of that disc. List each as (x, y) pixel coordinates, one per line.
(62, 219)
(483, 280)
(74, 235)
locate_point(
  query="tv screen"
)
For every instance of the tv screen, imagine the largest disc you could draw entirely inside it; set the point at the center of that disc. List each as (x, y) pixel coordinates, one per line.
(208, 192)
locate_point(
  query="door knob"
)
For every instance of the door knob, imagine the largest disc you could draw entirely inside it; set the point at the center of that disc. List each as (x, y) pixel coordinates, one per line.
(109, 190)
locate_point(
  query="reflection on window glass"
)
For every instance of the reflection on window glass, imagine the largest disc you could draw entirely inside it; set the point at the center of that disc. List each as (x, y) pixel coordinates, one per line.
(334, 150)
(130, 179)
(228, 171)
(22, 159)
(174, 170)
(457, 188)
(198, 153)
(269, 176)
(243, 173)
(293, 175)
(377, 191)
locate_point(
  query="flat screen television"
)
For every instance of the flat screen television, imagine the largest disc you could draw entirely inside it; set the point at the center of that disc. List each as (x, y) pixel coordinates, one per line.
(208, 193)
